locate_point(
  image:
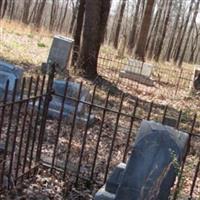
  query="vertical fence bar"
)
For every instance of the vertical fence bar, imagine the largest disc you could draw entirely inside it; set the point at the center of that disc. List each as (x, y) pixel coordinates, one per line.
(47, 100)
(59, 125)
(184, 159)
(28, 137)
(164, 114)
(8, 134)
(36, 121)
(72, 130)
(16, 130)
(23, 128)
(114, 138)
(130, 130)
(194, 179)
(178, 83)
(85, 137)
(99, 136)
(150, 111)
(4, 106)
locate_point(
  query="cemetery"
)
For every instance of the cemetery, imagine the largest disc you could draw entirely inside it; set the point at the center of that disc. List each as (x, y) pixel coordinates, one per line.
(101, 143)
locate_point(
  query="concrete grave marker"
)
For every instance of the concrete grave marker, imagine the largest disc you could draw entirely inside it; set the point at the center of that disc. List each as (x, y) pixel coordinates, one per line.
(70, 104)
(11, 73)
(59, 53)
(152, 167)
(138, 71)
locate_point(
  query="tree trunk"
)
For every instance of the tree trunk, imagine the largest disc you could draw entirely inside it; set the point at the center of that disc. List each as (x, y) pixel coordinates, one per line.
(40, 13)
(141, 45)
(174, 29)
(131, 42)
(4, 8)
(27, 5)
(184, 30)
(96, 15)
(189, 33)
(156, 29)
(160, 45)
(117, 33)
(64, 16)
(78, 31)
(75, 10)
(53, 15)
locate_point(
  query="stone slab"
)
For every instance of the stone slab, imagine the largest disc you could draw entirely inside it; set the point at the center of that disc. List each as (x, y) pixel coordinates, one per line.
(9, 72)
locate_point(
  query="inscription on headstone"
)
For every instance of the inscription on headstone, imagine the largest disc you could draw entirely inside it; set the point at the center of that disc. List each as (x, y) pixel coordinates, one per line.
(152, 167)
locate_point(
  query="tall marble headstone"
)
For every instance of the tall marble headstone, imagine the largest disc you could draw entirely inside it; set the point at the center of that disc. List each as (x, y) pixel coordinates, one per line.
(9, 72)
(152, 167)
(60, 52)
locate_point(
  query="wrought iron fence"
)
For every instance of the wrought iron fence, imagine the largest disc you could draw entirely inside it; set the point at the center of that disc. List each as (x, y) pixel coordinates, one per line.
(176, 81)
(83, 150)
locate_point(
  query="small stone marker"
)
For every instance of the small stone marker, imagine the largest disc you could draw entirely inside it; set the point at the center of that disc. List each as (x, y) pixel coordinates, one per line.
(60, 52)
(152, 167)
(138, 71)
(11, 73)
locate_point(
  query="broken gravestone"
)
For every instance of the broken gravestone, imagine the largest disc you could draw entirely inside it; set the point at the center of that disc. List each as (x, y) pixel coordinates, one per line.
(59, 53)
(70, 103)
(152, 167)
(11, 73)
(138, 71)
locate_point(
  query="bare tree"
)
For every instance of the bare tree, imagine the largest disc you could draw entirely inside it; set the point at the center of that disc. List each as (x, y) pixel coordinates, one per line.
(78, 31)
(189, 33)
(131, 41)
(39, 14)
(27, 5)
(141, 44)
(117, 33)
(96, 15)
(184, 31)
(174, 30)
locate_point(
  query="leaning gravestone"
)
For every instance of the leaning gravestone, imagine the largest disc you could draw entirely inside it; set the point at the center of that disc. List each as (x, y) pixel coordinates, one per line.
(152, 167)
(138, 71)
(11, 73)
(59, 53)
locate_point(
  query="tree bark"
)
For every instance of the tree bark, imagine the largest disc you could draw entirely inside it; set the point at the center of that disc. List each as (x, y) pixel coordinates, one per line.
(184, 31)
(117, 33)
(189, 33)
(78, 31)
(160, 45)
(75, 10)
(141, 45)
(40, 13)
(174, 30)
(131, 42)
(96, 15)
(27, 5)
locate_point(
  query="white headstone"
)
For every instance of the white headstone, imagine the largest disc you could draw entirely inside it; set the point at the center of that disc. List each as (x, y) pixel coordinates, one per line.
(60, 51)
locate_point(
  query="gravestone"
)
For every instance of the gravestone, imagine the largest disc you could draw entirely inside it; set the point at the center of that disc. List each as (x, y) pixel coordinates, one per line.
(59, 53)
(70, 102)
(138, 71)
(152, 167)
(11, 73)
(196, 78)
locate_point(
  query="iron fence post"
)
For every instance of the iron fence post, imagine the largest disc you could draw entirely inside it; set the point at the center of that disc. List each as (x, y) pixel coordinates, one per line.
(47, 100)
